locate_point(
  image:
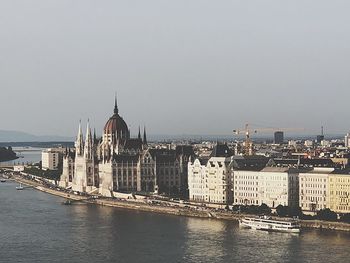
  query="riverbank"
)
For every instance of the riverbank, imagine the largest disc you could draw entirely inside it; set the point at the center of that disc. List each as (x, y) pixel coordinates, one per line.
(144, 205)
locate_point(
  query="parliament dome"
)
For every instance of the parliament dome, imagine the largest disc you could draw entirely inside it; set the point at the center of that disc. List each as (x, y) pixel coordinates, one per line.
(116, 125)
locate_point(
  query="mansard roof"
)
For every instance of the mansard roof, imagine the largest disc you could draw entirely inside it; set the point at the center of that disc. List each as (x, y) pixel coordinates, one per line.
(253, 163)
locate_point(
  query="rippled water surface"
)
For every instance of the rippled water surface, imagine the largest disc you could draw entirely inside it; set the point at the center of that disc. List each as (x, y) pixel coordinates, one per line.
(36, 227)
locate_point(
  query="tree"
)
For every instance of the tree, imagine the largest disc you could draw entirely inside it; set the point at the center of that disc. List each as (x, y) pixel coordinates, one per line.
(327, 214)
(345, 218)
(282, 210)
(264, 209)
(295, 211)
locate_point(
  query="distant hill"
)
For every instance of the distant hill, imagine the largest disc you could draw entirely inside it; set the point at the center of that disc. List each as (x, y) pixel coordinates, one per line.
(17, 136)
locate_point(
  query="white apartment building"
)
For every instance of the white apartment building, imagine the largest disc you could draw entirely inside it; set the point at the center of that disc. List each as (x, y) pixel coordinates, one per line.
(246, 188)
(272, 186)
(347, 140)
(313, 189)
(197, 181)
(50, 159)
(211, 181)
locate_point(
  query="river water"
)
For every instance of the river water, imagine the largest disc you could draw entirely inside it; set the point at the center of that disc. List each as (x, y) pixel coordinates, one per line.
(27, 155)
(36, 227)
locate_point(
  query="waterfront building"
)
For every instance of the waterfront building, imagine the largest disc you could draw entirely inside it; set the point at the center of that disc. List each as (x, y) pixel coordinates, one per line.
(118, 163)
(245, 190)
(210, 180)
(313, 189)
(272, 186)
(339, 193)
(50, 159)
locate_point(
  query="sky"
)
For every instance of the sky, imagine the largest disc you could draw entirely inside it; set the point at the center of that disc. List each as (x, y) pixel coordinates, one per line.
(178, 67)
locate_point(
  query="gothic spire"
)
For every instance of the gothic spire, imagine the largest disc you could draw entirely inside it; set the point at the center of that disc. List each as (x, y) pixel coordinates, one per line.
(144, 136)
(95, 140)
(79, 144)
(139, 133)
(88, 142)
(115, 104)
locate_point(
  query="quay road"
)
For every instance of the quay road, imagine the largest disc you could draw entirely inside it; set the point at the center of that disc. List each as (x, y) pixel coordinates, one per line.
(157, 206)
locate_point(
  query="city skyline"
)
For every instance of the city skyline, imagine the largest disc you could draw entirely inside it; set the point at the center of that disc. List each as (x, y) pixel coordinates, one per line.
(205, 74)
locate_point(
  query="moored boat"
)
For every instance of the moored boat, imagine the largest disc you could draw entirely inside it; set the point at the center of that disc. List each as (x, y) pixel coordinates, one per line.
(67, 202)
(268, 224)
(20, 187)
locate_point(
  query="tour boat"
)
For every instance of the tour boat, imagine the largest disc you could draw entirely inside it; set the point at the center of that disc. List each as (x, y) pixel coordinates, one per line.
(268, 224)
(20, 187)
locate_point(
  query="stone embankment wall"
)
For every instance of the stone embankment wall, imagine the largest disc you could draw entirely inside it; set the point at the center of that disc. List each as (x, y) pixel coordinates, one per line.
(325, 225)
(143, 206)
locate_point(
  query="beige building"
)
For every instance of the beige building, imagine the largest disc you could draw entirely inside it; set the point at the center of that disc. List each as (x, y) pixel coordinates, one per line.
(272, 186)
(211, 181)
(313, 189)
(50, 159)
(246, 188)
(339, 193)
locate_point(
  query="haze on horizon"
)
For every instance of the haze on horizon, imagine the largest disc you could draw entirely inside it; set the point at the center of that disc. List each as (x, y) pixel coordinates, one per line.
(179, 67)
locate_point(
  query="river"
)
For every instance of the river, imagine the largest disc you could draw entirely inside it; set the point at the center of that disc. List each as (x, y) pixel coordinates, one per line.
(36, 227)
(27, 155)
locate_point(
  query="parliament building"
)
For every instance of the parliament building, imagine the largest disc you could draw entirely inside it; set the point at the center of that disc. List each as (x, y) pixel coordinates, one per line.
(117, 163)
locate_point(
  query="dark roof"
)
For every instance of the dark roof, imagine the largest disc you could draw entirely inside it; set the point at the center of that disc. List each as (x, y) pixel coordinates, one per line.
(252, 163)
(221, 150)
(341, 171)
(156, 152)
(125, 158)
(184, 149)
(163, 155)
(204, 160)
(303, 162)
(133, 144)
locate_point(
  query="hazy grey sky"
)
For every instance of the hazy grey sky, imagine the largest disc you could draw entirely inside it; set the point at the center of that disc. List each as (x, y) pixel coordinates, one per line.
(180, 66)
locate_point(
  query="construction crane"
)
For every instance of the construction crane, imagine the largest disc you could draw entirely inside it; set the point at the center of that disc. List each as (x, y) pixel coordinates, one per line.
(247, 131)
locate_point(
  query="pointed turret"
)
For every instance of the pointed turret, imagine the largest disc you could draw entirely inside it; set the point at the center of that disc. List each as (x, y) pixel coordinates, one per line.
(95, 139)
(144, 136)
(139, 136)
(79, 143)
(88, 142)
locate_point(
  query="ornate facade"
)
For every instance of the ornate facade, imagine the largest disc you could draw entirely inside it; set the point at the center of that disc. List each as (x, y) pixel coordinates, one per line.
(118, 163)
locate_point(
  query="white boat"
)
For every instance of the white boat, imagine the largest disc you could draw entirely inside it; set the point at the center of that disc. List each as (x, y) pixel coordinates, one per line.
(268, 224)
(3, 180)
(20, 187)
